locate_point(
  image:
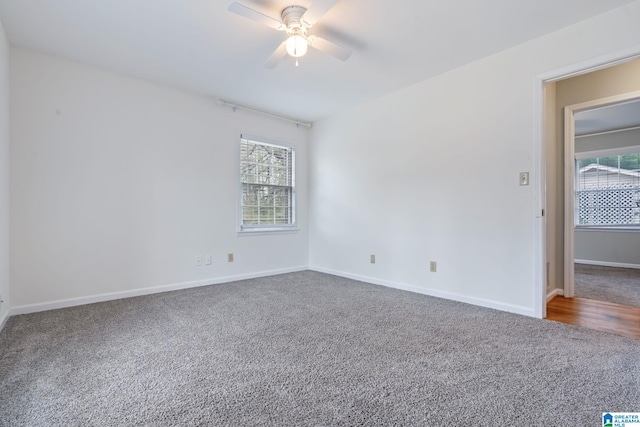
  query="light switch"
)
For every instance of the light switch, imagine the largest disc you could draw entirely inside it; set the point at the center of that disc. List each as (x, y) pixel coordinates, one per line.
(524, 178)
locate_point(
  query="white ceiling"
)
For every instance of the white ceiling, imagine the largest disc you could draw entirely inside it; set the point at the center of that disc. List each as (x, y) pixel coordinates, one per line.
(199, 46)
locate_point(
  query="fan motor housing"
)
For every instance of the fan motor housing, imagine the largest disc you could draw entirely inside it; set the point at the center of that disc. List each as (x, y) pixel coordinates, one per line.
(292, 17)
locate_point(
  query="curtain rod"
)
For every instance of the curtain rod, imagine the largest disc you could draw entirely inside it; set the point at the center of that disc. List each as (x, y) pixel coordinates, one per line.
(265, 113)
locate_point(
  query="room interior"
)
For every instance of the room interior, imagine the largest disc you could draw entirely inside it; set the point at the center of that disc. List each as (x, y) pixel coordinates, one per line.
(120, 125)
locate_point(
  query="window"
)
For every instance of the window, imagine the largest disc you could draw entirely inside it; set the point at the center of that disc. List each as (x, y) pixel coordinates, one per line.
(608, 188)
(267, 178)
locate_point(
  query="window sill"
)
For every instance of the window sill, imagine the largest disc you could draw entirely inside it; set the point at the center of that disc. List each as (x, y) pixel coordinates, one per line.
(620, 229)
(266, 231)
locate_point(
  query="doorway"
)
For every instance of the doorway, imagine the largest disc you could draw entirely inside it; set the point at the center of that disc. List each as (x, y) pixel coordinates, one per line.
(596, 90)
(602, 198)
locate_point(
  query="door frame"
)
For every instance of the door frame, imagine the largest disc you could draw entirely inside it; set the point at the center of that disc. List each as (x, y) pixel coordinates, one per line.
(540, 166)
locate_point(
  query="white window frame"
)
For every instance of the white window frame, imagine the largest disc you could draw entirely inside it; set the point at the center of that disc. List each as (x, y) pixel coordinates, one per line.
(601, 153)
(266, 228)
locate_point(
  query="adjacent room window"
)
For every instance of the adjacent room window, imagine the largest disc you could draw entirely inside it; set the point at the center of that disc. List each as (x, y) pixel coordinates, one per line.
(608, 188)
(267, 178)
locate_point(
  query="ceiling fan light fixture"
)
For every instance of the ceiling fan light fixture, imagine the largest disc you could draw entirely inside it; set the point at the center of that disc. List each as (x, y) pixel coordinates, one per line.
(297, 46)
(295, 21)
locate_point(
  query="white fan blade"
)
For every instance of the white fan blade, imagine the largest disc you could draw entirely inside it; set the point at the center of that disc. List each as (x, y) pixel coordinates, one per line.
(317, 10)
(332, 49)
(277, 56)
(247, 12)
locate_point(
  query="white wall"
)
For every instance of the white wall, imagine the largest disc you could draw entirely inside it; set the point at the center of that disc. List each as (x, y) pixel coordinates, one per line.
(617, 249)
(431, 173)
(4, 176)
(118, 184)
(608, 247)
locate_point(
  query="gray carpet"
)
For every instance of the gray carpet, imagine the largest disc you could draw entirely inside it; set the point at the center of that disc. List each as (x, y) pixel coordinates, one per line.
(307, 349)
(611, 284)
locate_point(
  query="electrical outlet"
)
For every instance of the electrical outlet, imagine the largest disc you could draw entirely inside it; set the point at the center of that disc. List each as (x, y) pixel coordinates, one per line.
(208, 260)
(229, 257)
(198, 261)
(373, 259)
(433, 267)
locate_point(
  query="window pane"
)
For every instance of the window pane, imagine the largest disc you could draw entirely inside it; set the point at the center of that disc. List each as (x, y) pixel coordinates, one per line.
(266, 197)
(249, 195)
(266, 172)
(608, 190)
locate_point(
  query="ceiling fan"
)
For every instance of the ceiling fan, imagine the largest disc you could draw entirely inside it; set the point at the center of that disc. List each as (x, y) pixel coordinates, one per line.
(295, 21)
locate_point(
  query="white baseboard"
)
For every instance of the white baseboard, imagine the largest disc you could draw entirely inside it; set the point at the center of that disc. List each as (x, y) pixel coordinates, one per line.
(52, 305)
(4, 318)
(607, 264)
(72, 302)
(525, 311)
(553, 293)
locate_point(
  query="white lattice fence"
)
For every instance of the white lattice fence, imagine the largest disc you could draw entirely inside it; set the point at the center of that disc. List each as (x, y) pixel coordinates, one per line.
(612, 206)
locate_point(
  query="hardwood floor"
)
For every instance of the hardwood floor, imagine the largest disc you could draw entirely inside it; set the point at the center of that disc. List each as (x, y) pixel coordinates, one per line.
(599, 315)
